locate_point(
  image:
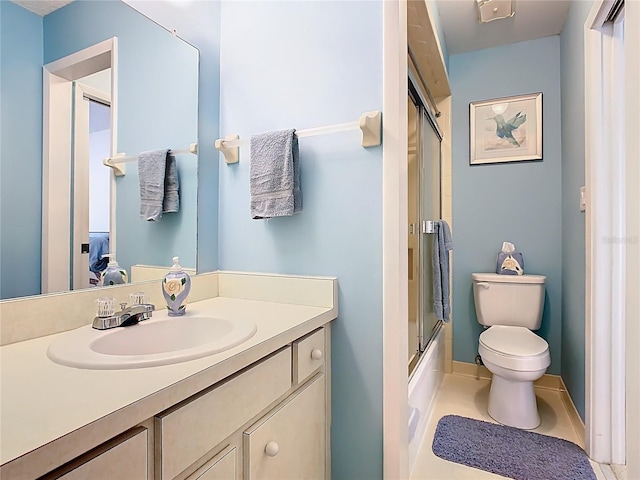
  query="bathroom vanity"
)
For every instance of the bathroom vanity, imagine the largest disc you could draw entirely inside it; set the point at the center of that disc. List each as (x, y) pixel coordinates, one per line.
(260, 409)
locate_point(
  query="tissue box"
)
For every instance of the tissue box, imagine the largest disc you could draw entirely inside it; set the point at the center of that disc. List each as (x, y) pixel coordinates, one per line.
(511, 263)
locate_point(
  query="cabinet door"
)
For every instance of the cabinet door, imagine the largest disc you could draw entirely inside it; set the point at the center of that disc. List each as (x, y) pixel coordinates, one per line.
(123, 458)
(289, 443)
(222, 467)
(187, 432)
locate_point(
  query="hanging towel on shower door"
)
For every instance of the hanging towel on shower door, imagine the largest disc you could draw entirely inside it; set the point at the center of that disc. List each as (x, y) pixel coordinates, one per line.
(275, 175)
(442, 244)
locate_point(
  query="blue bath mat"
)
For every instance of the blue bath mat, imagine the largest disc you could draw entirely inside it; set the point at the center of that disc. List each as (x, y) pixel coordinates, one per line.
(509, 451)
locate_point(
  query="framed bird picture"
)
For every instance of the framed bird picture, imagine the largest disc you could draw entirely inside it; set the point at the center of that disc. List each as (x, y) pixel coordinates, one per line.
(506, 129)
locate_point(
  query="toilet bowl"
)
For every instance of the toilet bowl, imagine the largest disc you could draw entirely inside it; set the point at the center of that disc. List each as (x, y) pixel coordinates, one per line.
(516, 357)
(511, 307)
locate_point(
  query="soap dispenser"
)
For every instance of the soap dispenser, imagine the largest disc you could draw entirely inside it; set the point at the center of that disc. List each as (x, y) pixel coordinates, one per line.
(176, 286)
(113, 274)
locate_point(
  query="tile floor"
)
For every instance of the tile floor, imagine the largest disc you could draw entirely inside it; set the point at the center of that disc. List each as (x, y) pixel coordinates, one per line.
(468, 397)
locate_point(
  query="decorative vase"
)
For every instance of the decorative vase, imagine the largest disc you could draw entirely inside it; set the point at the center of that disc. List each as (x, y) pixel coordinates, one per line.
(176, 286)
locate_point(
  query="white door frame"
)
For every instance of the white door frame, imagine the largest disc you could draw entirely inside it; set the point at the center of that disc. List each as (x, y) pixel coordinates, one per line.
(57, 126)
(80, 169)
(81, 166)
(632, 240)
(612, 197)
(395, 303)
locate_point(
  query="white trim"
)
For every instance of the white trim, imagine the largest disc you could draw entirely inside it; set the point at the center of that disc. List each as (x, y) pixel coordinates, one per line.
(56, 155)
(80, 168)
(114, 142)
(632, 305)
(95, 94)
(56, 182)
(394, 241)
(615, 106)
(604, 296)
(84, 62)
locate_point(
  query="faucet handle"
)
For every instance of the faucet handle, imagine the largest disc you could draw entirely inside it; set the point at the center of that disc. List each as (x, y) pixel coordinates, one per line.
(137, 298)
(148, 310)
(105, 307)
(123, 305)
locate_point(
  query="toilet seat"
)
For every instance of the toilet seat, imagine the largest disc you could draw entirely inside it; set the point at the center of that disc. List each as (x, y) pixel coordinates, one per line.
(514, 348)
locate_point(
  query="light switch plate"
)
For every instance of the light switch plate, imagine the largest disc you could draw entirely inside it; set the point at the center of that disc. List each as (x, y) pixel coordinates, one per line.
(583, 199)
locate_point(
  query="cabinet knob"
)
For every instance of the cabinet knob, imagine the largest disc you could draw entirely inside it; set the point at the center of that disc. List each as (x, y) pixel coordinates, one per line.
(272, 449)
(316, 354)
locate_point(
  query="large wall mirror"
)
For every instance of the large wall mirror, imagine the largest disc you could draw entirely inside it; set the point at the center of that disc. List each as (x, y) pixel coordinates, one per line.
(141, 96)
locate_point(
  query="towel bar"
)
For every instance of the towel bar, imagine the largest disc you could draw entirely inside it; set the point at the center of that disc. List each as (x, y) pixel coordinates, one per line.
(370, 123)
(116, 162)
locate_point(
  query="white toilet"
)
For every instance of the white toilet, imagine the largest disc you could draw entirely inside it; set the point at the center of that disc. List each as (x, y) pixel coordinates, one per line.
(511, 306)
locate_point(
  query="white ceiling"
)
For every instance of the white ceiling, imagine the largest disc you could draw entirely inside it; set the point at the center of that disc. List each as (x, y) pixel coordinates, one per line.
(462, 30)
(42, 7)
(533, 19)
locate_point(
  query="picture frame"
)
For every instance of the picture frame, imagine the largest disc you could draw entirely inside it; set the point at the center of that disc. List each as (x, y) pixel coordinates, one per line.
(507, 129)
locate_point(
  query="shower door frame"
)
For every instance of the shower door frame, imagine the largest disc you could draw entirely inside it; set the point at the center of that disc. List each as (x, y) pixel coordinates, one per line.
(425, 116)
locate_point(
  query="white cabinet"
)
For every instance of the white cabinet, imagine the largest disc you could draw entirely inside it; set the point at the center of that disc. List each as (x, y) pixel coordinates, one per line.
(186, 432)
(285, 439)
(123, 458)
(289, 443)
(269, 420)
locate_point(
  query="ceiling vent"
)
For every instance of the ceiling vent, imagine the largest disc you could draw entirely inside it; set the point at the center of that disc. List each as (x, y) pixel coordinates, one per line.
(490, 10)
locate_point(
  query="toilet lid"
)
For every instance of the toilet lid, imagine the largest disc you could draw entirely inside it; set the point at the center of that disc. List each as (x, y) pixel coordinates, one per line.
(514, 341)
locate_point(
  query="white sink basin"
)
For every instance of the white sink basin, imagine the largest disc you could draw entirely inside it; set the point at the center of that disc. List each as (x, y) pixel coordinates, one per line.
(153, 342)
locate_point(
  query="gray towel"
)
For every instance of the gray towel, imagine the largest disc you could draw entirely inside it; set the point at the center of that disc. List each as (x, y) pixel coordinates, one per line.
(171, 200)
(442, 244)
(158, 177)
(275, 175)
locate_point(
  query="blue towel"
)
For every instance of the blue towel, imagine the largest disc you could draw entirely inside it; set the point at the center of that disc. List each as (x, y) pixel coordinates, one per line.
(442, 244)
(158, 176)
(98, 246)
(171, 200)
(275, 175)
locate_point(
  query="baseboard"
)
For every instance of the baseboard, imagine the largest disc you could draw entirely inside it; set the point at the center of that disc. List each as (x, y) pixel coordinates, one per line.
(470, 370)
(552, 382)
(571, 409)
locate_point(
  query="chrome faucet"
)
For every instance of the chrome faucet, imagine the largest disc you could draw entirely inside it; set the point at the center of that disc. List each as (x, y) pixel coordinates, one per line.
(125, 317)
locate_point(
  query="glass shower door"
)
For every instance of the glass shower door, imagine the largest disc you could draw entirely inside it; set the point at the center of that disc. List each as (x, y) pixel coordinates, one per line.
(423, 192)
(429, 211)
(413, 194)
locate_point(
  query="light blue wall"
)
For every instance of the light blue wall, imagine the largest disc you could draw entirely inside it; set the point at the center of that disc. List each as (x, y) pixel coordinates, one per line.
(519, 202)
(302, 65)
(20, 150)
(153, 66)
(573, 221)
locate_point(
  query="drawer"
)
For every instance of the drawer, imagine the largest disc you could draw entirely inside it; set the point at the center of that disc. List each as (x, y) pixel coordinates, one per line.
(222, 467)
(123, 458)
(188, 431)
(289, 442)
(308, 355)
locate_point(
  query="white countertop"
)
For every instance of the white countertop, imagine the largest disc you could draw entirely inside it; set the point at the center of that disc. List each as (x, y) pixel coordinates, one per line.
(42, 401)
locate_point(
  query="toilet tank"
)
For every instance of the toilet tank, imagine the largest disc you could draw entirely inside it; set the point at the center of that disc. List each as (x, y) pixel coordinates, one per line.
(515, 300)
